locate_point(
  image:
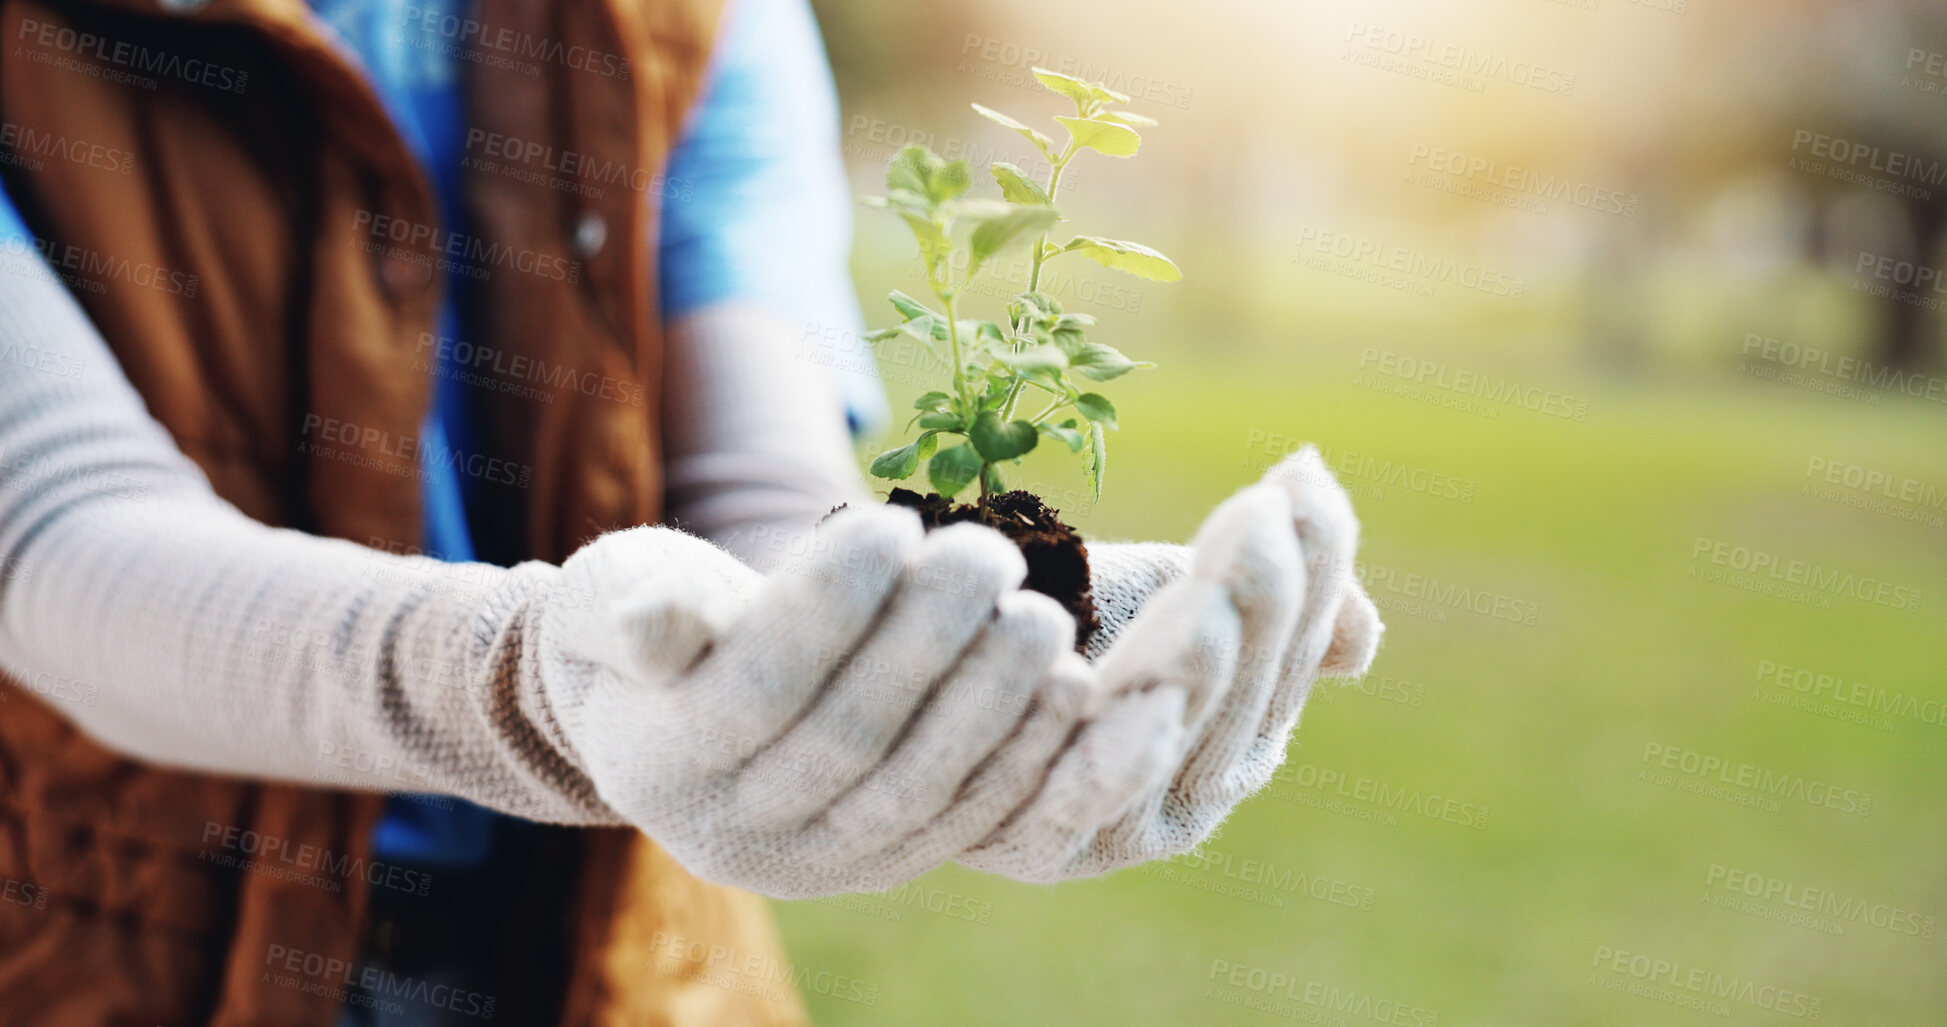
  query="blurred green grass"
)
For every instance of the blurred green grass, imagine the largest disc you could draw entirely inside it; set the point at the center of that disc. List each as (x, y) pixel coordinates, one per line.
(1544, 725)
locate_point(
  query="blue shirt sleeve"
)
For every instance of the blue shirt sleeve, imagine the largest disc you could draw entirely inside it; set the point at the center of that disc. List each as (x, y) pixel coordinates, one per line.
(13, 231)
(20, 250)
(758, 206)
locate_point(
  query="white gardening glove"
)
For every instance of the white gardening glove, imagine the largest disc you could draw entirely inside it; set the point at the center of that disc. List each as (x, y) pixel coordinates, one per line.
(1266, 604)
(1122, 576)
(850, 722)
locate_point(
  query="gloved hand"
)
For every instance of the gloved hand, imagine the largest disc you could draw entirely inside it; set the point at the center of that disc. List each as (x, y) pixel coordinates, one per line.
(1123, 575)
(848, 723)
(1262, 603)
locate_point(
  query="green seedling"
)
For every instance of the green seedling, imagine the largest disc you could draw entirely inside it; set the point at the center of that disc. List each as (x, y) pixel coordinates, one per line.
(1039, 348)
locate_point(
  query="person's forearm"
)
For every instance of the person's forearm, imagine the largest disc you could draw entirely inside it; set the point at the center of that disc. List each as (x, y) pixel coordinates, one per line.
(201, 638)
(755, 438)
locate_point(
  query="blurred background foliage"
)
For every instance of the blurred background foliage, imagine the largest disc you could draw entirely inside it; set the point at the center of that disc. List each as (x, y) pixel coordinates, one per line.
(1767, 169)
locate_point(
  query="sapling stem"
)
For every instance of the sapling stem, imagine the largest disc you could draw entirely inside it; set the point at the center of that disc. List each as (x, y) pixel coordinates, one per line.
(1052, 407)
(1054, 189)
(953, 347)
(1034, 271)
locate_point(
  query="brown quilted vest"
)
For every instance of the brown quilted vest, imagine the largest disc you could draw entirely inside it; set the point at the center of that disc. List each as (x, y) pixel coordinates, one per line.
(225, 195)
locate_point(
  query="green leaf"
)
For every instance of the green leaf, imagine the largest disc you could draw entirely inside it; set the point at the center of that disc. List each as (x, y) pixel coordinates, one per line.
(1097, 460)
(1100, 362)
(1036, 358)
(952, 470)
(896, 464)
(933, 243)
(1030, 307)
(1109, 137)
(921, 174)
(975, 209)
(1041, 142)
(1042, 302)
(1073, 439)
(899, 464)
(1109, 374)
(998, 441)
(1129, 118)
(1078, 90)
(883, 334)
(941, 420)
(1053, 378)
(1068, 331)
(907, 306)
(1132, 257)
(995, 234)
(911, 168)
(931, 401)
(953, 179)
(927, 328)
(1096, 407)
(1016, 186)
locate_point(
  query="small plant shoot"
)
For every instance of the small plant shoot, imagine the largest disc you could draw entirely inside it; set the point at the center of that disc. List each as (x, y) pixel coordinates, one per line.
(1014, 380)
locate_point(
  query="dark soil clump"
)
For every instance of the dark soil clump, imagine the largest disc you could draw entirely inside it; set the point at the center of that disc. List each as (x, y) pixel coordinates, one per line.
(1057, 558)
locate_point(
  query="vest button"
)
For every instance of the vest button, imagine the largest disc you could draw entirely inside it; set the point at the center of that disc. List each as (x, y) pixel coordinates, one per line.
(591, 234)
(403, 277)
(182, 6)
